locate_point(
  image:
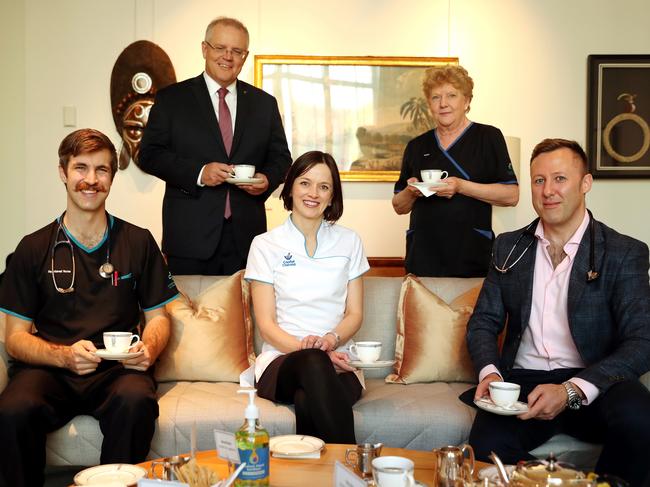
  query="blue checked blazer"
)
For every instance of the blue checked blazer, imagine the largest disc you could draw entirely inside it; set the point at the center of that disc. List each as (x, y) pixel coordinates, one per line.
(609, 318)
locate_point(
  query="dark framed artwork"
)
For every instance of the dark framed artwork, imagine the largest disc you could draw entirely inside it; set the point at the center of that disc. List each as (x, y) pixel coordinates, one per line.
(618, 112)
(362, 110)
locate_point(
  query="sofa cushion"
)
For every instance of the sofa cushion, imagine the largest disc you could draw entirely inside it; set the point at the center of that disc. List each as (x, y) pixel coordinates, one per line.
(211, 338)
(430, 344)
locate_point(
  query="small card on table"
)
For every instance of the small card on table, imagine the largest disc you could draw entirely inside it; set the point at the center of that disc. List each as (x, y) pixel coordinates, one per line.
(227, 446)
(344, 477)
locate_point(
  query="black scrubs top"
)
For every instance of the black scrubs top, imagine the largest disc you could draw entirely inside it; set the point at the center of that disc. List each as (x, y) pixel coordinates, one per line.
(96, 305)
(453, 237)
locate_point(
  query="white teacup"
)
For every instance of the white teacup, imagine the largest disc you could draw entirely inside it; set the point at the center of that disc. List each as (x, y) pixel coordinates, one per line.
(367, 352)
(504, 394)
(244, 171)
(393, 472)
(119, 341)
(432, 175)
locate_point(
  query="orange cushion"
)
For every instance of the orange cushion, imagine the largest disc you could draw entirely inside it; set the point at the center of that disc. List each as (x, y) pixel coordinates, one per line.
(211, 337)
(430, 344)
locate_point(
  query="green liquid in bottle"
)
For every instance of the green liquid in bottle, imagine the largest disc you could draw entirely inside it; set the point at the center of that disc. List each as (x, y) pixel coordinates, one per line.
(253, 445)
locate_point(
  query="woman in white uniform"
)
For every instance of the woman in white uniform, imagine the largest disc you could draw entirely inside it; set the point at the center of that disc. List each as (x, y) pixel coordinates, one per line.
(308, 302)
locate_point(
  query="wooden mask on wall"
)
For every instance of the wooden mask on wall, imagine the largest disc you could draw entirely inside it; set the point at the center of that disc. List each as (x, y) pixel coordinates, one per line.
(140, 71)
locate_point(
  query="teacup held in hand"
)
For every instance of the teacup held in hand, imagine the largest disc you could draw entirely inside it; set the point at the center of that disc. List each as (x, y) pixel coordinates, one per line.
(244, 171)
(432, 175)
(504, 394)
(119, 341)
(367, 352)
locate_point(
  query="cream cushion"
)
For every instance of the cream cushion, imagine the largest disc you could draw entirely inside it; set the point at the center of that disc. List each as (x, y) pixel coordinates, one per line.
(430, 343)
(212, 334)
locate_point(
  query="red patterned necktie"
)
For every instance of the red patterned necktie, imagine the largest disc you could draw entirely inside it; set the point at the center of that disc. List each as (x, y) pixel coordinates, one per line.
(225, 126)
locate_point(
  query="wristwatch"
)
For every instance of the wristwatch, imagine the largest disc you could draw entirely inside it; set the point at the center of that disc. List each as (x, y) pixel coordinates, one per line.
(573, 400)
(336, 336)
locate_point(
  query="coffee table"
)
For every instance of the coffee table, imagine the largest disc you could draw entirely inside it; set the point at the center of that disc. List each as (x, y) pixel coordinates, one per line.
(317, 472)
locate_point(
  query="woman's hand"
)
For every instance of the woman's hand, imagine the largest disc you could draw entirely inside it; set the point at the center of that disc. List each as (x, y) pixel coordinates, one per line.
(452, 187)
(312, 341)
(340, 361)
(414, 191)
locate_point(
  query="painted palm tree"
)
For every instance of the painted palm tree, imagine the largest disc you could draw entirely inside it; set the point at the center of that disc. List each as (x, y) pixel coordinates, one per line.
(417, 111)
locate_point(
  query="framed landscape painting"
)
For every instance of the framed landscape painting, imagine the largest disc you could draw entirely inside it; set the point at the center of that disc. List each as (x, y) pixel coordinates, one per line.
(618, 139)
(362, 110)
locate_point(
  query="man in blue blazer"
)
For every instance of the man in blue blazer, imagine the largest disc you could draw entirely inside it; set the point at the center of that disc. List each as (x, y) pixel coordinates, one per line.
(576, 300)
(198, 130)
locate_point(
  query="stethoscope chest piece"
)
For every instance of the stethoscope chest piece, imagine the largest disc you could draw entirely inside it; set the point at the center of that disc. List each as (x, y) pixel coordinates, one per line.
(106, 270)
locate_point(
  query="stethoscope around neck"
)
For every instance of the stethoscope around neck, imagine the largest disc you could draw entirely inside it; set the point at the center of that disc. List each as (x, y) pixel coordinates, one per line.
(529, 231)
(106, 270)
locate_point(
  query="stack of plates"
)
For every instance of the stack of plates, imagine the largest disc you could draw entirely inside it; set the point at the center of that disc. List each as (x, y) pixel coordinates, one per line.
(296, 446)
(114, 474)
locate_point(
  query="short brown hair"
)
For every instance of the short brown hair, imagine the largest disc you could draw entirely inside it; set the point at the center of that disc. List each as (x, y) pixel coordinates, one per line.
(303, 164)
(550, 145)
(456, 76)
(86, 141)
(226, 22)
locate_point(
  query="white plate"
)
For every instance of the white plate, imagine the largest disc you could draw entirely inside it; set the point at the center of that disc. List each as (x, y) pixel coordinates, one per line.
(291, 445)
(105, 354)
(115, 472)
(244, 180)
(491, 473)
(371, 365)
(487, 405)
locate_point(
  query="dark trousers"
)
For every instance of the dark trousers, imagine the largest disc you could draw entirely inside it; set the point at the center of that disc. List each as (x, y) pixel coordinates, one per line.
(618, 418)
(226, 260)
(322, 398)
(39, 400)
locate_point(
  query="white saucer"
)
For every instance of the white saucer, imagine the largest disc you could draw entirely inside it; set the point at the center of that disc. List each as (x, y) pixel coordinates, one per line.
(420, 185)
(105, 354)
(244, 180)
(118, 473)
(295, 445)
(371, 365)
(491, 473)
(486, 404)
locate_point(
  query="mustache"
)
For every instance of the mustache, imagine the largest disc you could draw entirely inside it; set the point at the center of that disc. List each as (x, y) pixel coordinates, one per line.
(84, 186)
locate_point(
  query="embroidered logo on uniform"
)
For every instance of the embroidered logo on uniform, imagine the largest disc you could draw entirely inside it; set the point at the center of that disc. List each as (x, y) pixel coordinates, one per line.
(288, 260)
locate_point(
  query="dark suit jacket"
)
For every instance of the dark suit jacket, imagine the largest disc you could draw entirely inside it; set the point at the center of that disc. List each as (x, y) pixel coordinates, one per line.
(609, 318)
(182, 135)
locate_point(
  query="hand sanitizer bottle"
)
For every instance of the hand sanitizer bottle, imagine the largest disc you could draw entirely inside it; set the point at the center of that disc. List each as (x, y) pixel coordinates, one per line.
(253, 445)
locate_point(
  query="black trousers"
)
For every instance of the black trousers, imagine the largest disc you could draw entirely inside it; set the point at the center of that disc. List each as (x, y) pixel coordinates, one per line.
(39, 400)
(226, 260)
(618, 418)
(322, 398)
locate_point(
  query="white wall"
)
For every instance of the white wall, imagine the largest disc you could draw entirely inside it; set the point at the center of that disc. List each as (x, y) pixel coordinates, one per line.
(528, 59)
(12, 127)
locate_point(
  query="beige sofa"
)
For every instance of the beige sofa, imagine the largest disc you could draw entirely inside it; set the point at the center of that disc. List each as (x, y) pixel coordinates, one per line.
(418, 416)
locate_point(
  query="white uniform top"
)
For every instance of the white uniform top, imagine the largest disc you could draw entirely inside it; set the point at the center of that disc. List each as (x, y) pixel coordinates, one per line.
(310, 291)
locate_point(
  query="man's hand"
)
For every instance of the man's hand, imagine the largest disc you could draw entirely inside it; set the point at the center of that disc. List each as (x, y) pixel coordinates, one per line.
(341, 361)
(546, 401)
(452, 187)
(215, 173)
(483, 389)
(80, 357)
(255, 189)
(141, 362)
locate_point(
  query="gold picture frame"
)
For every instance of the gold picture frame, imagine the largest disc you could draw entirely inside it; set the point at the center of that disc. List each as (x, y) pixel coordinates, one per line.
(361, 109)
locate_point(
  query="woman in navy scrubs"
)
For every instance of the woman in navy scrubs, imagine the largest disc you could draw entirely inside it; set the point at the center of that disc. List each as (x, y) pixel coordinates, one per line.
(450, 233)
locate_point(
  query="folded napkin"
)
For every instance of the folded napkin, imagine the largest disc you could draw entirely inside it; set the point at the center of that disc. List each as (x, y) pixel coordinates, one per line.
(315, 454)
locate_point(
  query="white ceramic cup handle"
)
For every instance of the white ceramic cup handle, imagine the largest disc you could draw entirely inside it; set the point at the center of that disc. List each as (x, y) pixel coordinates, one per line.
(353, 349)
(410, 479)
(133, 342)
(444, 175)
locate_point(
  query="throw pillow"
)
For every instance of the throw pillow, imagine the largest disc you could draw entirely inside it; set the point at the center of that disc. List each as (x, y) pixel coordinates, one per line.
(212, 336)
(430, 344)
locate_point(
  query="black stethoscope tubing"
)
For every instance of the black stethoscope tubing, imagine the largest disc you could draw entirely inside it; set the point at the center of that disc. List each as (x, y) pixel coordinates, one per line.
(105, 270)
(592, 274)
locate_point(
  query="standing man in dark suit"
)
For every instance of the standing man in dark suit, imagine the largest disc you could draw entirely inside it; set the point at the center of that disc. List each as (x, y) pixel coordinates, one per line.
(576, 299)
(198, 130)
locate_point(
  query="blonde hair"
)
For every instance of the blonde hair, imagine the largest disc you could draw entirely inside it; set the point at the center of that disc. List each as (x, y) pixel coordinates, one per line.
(456, 76)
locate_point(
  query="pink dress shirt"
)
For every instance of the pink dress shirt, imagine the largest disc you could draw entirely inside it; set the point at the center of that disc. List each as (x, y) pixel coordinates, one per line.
(546, 342)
